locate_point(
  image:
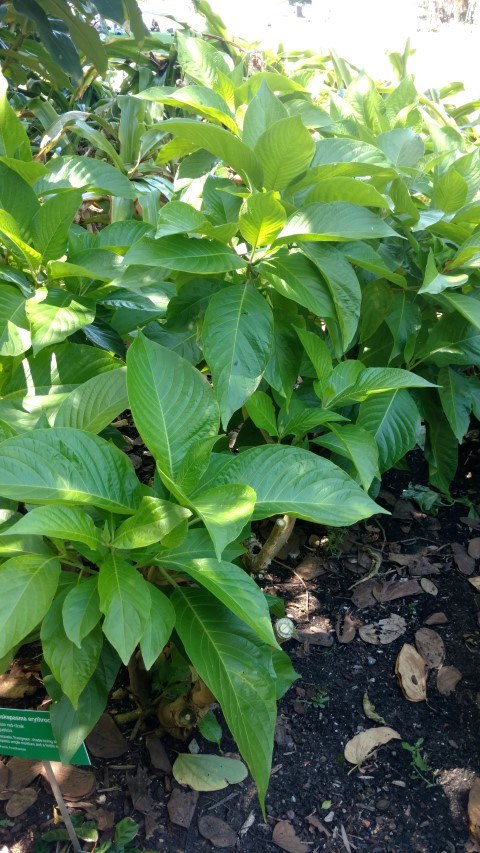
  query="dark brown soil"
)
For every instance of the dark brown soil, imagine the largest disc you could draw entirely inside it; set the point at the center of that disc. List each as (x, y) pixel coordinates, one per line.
(383, 806)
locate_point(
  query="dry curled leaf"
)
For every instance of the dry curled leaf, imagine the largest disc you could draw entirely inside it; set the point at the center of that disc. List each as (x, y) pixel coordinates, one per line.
(447, 679)
(428, 586)
(430, 647)
(181, 807)
(411, 673)
(22, 771)
(475, 582)
(106, 739)
(384, 631)
(363, 596)
(219, 833)
(21, 801)
(474, 548)
(396, 589)
(16, 683)
(438, 618)
(158, 754)
(370, 712)
(284, 836)
(74, 783)
(474, 809)
(362, 745)
(346, 632)
(464, 563)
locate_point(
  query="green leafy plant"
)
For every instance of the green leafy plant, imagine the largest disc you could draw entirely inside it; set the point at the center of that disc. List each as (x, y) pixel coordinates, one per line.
(418, 762)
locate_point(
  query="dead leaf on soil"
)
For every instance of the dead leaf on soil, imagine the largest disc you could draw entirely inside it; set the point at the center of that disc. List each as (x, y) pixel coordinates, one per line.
(311, 567)
(411, 673)
(302, 605)
(346, 633)
(21, 801)
(363, 596)
(429, 586)
(370, 712)
(181, 807)
(317, 823)
(319, 632)
(22, 771)
(447, 679)
(106, 739)
(430, 646)
(74, 783)
(102, 817)
(474, 809)
(438, 618)
(138, 790)
(16, 683)
(384, 631)
(3, 776)
(396, 589)
(474, 548)
(158, 754)
(284, 836)
(475, 582)
(208, 772)
(362, 745)
(404, 510)
(219, 833)
(464, 563)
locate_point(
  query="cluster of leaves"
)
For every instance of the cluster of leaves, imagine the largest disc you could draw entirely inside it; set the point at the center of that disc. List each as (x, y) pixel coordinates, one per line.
(304, 238)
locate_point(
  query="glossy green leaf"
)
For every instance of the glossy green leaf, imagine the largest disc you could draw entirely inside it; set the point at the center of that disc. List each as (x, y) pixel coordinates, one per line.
(237, 672)
(455, 397)
(372, 380)
(285, 150)
(13, 136)
(402, 146)
(96, 403)
(11, 235)
(198, 99)
(237, 338)
(55, 314)
(318, 353)
(394, 421)
(264, 110)
(71, 665)
(84, 173)
(357, 445)
(341, 188)
(262, 217)
(339, 220)
(224, 510)
(177, 217)
(172, 404)
(208, 772)
(159, 627)
(125, 602)
(55, 465)
(436, 282)
(288, 480)
(200, 60)
(297, 278)
(59, 522)
(467, 306)
(50, 225)
(81, 610)
(27, 586)
(343, 285)
(261, 410)
(153, 520)
(179, 252)
(196, 545)
(18, 198)
(297, 418)
(15, 337)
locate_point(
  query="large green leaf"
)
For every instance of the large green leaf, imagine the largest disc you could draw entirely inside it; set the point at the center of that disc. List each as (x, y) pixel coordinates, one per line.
(200, 60)
(295, 481)
(262, 217)
(13, 136)
(18, 198)
(125, 602)
(236, 590)
(372, 380)
(221, 143)
(355, 444)
(59, 522)
(237, 339)
(455, 398)
(186, 254)
(14, 326)
(196, 545)
(402, 146)
(394, 421)
(237, 672)
(261, 410)
(441, 447)
(343, 285)
(436, 282)
(85, 37)
(71, 665)
(198, 99)
(96, 403)
(159, 627)
(27, 586)
(338, 220)
(225, 510)
(467, 306)
(284, 150)
(11, 235)
(153, 520)
(51, 223)
(81, 610)
(297, 278)
(264, 110)
(172, 404)
(341, 188)
(55, 314)
(84, 173)
(53, 465)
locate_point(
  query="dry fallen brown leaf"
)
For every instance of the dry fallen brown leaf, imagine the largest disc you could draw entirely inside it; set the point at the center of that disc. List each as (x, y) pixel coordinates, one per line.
(411, 672)
(438, 618)
(21, 801)
(311, 567)
(447, 679)
(219, 833)
(158, 754)
(474, 548)
(384, 631)
(362, 745)
(363, 596)
(16, 683)
(138, 789)
(106, 739)
(22, 771)
(396, 589)
(284, 836)
(464, 563)
(475, 582)
(430, 646)
(346, 632)
(74, 783)
(181, 807)
(474, 809)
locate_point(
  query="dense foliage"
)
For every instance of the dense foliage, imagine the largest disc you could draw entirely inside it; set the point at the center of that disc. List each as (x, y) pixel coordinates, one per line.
(208, 237)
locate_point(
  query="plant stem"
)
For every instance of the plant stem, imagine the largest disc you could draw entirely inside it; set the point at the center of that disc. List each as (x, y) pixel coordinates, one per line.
(281, 532)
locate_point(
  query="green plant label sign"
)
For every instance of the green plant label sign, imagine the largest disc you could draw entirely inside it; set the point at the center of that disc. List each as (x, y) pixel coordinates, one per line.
(29, 734)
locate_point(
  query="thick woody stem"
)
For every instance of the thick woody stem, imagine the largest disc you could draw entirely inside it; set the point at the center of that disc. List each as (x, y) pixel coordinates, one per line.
(281, 532)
